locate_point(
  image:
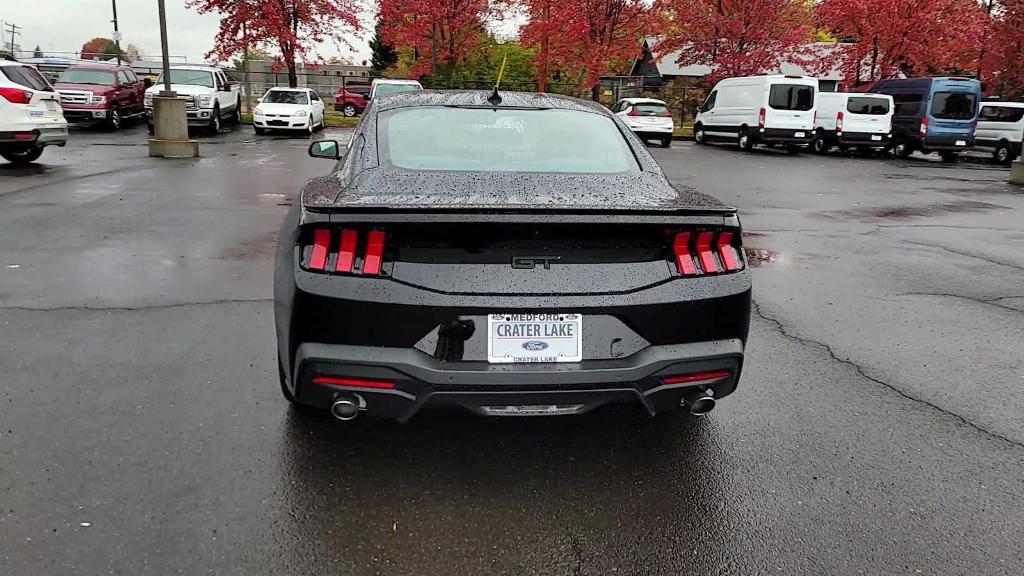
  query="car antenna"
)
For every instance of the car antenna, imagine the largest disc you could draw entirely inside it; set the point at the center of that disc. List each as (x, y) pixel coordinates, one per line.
(495, 98)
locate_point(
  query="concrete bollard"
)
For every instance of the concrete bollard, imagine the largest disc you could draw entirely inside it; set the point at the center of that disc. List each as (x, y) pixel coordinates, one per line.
(1017, 172)
(170, 133)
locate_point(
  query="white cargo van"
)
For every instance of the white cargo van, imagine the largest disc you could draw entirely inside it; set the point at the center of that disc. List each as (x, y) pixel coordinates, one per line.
(852, 120)
(1000, 130)
(759, 110)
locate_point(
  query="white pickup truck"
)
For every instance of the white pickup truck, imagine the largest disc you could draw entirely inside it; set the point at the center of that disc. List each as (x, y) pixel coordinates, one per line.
(210, 97)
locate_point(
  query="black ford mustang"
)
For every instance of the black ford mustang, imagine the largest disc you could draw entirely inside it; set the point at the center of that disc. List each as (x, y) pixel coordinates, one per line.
(512, 254)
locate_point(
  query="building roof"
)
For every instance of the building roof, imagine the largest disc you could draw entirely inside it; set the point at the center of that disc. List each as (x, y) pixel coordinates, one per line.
(668, 66)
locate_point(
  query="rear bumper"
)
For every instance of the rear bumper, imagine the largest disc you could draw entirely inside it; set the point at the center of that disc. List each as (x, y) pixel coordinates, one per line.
(785, 135)
(864, 139)
(652, 131)
(487, 389)
(43, 136)
(947, 143)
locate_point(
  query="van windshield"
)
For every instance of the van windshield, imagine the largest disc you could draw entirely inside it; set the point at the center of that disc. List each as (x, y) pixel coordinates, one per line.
(791, 97)
(954, 105)
(867, 105)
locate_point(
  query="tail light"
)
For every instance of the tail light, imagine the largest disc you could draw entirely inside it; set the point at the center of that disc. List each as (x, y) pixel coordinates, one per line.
(706, 253)
(352, 382)
(839, 122)
(16, 96)
(760, 118)
(702, 377)
(666, 114)
(634, 112)
(341, 253)
(924, 127)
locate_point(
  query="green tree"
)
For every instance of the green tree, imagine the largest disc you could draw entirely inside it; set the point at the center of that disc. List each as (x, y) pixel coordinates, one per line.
(254, 54)
(480, 68)
(112, 51)
(383, 55)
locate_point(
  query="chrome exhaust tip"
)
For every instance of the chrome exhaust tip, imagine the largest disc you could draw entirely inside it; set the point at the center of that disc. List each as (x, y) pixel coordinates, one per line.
(345, 408)
(699, 402)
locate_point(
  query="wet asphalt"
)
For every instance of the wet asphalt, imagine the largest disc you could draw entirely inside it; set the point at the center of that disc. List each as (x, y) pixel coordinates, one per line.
(879, 426)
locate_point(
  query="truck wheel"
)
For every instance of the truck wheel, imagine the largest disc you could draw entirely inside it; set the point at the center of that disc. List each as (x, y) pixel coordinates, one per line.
(1002, 154)
(236, 118)
(349, 110)
(114, 122)
(902, 150)
(819, 145)
(949, 157)
(745, 141)
(214, 127)
(23, 156)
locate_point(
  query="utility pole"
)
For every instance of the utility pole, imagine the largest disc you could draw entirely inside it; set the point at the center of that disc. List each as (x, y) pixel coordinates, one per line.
(14, 30)
(170, 123)
(117, 33)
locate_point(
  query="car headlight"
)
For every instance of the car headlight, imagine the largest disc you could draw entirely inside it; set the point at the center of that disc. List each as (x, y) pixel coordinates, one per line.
(205, 101)
(258, 111)
(300, 114)
(147, 100)
(97, 100)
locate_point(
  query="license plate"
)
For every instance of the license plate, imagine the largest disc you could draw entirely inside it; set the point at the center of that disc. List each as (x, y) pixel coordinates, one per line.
(51, 105)
(876, 138)
(961, 142)
(515, 338)
(800, 134)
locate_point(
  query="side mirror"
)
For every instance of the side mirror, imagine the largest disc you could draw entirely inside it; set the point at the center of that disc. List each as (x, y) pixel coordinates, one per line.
(325, 149)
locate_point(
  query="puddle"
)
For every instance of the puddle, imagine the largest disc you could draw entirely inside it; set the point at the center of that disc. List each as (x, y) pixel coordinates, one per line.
(759, 257)
(908, 212)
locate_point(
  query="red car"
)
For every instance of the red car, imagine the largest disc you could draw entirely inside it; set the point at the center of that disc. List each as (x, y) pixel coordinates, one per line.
(99, 94)
(351, 100)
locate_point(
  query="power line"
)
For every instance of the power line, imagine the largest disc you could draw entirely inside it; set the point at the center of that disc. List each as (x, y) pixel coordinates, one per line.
(14, 30)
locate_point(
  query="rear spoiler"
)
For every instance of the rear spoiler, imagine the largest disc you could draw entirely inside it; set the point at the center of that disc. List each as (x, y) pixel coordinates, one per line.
(694, 216)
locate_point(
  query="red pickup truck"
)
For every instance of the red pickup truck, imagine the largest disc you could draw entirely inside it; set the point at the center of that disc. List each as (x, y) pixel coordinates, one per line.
(101, 94)
(352, 99)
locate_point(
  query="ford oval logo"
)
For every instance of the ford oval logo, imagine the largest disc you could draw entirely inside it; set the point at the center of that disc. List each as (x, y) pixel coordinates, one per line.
(535, 345)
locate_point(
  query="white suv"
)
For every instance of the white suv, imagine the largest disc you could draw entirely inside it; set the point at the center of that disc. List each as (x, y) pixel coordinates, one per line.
(30, 114)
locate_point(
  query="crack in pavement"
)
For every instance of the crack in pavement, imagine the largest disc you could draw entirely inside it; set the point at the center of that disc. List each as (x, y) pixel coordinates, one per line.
(860, 371)
(136, 308)
(967, 254)
(988, 302)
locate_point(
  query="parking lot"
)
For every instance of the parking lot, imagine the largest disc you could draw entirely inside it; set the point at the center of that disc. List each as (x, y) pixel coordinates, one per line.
(877, 429)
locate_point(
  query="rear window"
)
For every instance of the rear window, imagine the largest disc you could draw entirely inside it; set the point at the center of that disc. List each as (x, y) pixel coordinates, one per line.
(867, 105)
(26, 76)
(954, 105)
(1001, 114)
(791, 97)
(93, 77)
(385, 89)
(650, 109)
(503, 140)
(907, 104)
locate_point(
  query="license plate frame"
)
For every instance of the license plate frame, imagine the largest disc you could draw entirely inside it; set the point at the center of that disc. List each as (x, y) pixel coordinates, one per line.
(534, 338)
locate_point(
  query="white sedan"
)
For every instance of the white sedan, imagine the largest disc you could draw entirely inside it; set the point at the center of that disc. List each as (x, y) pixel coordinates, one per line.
(648, 118)
(289, 109)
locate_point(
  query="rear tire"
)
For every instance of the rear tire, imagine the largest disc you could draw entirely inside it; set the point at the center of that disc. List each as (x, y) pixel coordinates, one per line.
(819, 145)
(24, 156)
(950, 157)
(745, 142)
(1002, 154)
(666, 142)
(902, 150)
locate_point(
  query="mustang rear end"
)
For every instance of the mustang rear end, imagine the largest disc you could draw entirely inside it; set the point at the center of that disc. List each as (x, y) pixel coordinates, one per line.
(425, 275)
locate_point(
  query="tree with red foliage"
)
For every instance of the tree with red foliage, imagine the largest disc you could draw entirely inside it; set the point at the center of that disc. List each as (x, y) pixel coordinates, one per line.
(585, 38)
(440, 32)
(95, 49)
(884, 38)
(1003, 69)
(735, 37)
(293, 27)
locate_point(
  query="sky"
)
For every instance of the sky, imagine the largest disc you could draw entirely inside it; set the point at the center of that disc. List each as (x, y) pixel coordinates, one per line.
(64, 25)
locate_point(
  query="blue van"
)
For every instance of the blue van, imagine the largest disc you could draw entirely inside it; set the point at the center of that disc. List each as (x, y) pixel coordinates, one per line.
(932, 114)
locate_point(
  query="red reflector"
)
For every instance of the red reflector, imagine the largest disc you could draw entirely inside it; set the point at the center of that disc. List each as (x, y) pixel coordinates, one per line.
(24, 136)
(727, 252)
(321, 245)
(356, 383)
(681, 248)
(707, 257)
(374, 252)
(347, 255)
(697, 377)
